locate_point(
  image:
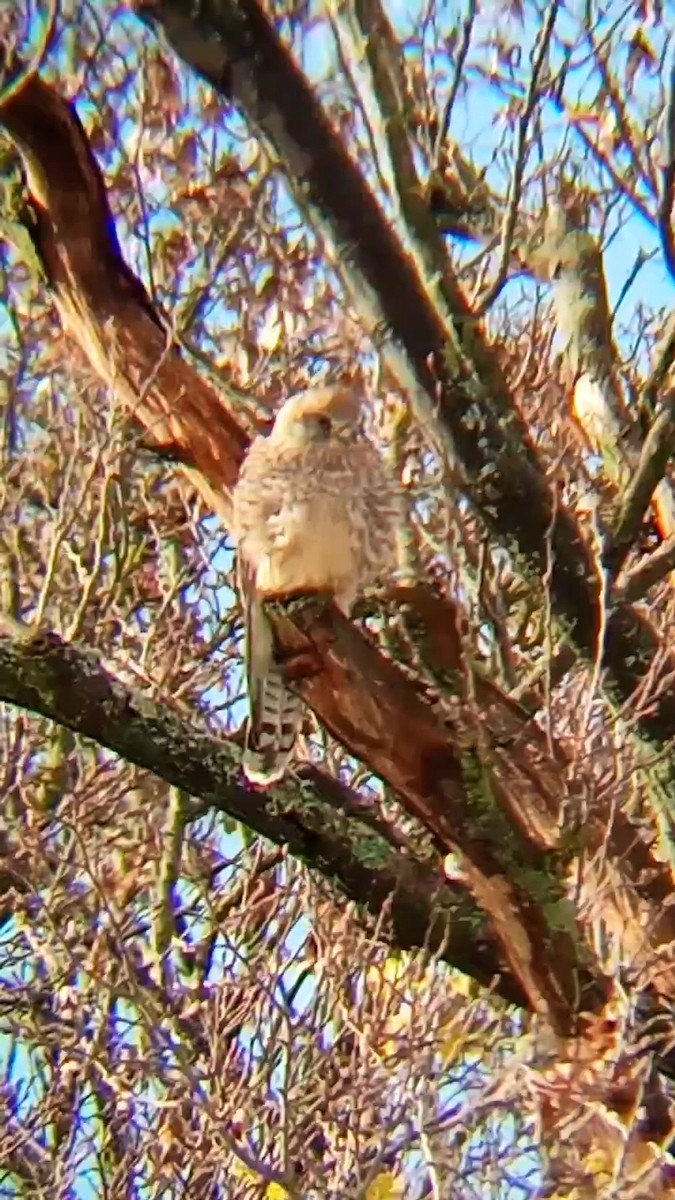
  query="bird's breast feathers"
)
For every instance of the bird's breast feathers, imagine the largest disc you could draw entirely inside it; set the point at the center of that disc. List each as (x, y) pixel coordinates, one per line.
(312, 546)
(314, 519)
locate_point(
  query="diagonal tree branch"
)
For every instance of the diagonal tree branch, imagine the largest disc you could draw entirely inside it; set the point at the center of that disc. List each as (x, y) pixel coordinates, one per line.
(71, 686)
(644, 483)
(582, 306)
(634, 584)
(146, 365)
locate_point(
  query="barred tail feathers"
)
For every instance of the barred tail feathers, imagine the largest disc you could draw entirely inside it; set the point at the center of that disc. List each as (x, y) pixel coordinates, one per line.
(272, 729)
(275, 711)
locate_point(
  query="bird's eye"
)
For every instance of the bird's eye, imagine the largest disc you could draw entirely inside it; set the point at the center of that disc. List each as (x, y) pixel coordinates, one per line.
(324, 426)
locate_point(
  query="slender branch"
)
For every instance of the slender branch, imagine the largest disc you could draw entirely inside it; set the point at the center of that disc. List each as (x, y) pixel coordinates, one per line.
(634, 584)
(459, 60)
(540, 54)
(388, 95)
(665, 209)
(631, 141)
(163, 920)
(641, 260)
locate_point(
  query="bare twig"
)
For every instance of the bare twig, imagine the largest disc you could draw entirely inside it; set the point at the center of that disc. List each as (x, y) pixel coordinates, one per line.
(634, 584)
(637, 496)
(515, 187)
(641, 259)
(600, 54)
(460, 58)
(665, 355)
(665, 209)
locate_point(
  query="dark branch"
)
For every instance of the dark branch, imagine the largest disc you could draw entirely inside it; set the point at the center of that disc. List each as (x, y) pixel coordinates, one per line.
(69, 685)
(665, 211)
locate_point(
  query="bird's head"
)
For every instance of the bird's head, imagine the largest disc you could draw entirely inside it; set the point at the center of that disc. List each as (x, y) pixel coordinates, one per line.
(320, 414)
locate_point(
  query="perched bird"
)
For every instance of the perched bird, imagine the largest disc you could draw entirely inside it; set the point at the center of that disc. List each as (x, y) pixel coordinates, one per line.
(314, 511)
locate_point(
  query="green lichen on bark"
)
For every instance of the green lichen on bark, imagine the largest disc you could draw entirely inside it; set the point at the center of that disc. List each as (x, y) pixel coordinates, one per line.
(537, 874)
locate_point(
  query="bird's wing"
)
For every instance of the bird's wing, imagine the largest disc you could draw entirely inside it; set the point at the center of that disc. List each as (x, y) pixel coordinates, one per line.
(259, 648)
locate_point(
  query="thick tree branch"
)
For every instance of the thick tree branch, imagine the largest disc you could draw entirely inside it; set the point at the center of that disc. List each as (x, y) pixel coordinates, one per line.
(45, 675)
(582, 307)
(109, 312)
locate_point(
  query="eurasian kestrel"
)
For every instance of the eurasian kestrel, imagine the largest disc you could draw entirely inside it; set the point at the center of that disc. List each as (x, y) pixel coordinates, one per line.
(315, 510)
